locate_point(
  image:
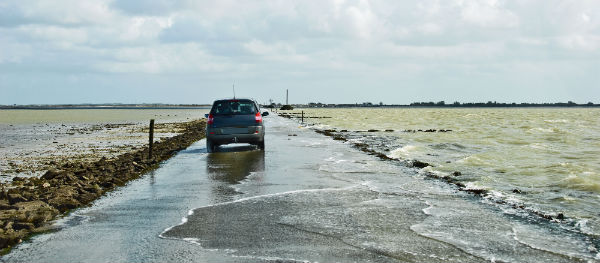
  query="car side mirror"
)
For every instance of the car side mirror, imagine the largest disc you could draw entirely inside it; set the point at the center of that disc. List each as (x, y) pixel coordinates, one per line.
(266, 113)
(206, 115)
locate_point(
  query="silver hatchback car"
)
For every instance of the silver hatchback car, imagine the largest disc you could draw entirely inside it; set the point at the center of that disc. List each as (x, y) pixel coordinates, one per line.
(235, 121)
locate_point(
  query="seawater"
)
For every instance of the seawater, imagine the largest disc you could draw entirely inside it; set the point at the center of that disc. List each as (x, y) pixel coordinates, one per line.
(45, 116)
(543, 159)
(19, 127)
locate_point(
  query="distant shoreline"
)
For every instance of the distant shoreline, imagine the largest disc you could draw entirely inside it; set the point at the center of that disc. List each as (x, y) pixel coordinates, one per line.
(427, 105)
(310, 105)
(105, 106)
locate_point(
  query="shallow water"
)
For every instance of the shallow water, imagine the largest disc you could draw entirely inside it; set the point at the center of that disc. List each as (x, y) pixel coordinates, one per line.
(97, 115)
(550, 155)
(307, 198)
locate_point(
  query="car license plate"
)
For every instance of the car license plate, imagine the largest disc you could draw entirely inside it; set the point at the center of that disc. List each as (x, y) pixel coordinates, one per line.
(234, 130)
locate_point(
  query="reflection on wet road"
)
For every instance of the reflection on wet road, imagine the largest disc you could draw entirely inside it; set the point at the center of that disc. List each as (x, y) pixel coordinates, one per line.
(230, 166)
(233, 167)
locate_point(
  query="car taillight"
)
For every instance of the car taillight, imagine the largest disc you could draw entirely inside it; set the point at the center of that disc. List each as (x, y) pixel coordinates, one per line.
(211, 119)
(258, 117)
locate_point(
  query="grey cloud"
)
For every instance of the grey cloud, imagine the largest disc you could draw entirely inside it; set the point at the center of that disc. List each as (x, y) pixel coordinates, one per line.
(425, 45)
(12, 15)
(143, 7)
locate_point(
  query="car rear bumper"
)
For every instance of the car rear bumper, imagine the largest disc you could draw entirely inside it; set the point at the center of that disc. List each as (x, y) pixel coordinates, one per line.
(215, 135)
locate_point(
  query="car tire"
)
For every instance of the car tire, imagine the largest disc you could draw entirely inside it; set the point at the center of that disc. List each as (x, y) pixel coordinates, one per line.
(210, 146)
(261, 145)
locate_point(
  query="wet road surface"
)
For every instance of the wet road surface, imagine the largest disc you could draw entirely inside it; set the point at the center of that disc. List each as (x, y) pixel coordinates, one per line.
(306, 198)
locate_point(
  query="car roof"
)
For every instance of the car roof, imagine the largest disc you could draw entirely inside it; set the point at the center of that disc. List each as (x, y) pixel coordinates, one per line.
(236, 99)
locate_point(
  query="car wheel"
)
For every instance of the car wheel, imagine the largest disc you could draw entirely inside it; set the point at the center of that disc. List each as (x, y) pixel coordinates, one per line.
(210, 146)
(261, 145)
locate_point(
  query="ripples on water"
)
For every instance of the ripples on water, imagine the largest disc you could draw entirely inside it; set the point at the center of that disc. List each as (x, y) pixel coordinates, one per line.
(543, 158)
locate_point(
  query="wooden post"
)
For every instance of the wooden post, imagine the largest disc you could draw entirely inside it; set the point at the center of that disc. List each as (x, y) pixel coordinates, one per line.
(151, 141)
(302, 116)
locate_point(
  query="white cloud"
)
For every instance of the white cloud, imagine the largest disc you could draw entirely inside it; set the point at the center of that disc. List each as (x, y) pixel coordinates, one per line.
(280, 51)
(579, 42)
(487, 13)
(171, 58)
(54, 34)
(62, 12)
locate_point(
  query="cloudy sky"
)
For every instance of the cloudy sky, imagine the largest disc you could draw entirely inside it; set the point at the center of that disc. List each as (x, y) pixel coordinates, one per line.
(334, 51)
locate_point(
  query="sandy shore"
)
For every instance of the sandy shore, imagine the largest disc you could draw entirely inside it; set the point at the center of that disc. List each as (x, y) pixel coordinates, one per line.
(47, 183)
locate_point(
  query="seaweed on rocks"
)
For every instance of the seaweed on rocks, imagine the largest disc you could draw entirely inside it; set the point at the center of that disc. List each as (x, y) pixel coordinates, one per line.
(27, 205)
(419, 164)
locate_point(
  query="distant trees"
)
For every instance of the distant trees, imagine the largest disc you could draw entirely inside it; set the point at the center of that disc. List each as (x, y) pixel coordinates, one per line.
(500, 104)
(455, 104)
(286, 107)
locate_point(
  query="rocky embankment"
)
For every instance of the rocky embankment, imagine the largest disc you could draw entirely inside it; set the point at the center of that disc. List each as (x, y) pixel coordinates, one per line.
(27, 205)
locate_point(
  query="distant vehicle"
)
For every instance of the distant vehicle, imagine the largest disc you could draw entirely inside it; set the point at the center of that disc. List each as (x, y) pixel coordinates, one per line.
(235, 121)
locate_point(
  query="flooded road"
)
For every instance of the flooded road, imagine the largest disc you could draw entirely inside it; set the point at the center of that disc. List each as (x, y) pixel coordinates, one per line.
(305, 198)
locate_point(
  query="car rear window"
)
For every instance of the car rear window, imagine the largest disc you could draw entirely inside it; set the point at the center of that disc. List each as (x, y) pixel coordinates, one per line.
(233, 107)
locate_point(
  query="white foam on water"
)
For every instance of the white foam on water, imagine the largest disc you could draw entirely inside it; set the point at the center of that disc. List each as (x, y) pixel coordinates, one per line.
(479, 233)
(268, 258)
(557, 121)
(191, 211)
(581, 224)
(433, 170)
(404, 152)
(539, 238)
(319, 126)
(542, 130)
(183, 221)
(312, 143)
(475, 186)
(538, 146)
(473, 160)
(427, 210)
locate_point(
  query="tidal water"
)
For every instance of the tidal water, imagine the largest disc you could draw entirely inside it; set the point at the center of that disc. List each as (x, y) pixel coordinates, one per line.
(546, 160)
(310, 198)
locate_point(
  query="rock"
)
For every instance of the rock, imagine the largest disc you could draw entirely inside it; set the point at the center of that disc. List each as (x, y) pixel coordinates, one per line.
(419, 164)
(87, 197)
(69, 177)
(516, 191)
(477, 191)
(36, 212)
(21, 225)
(19, 179)
(46, 185)
(66, 191)
(11, 238)
(64, 204)
(16, 198)
(456, 173)
(107, 185)
(560, 216)
(4, 205)
(95, 188)
(51, 174)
